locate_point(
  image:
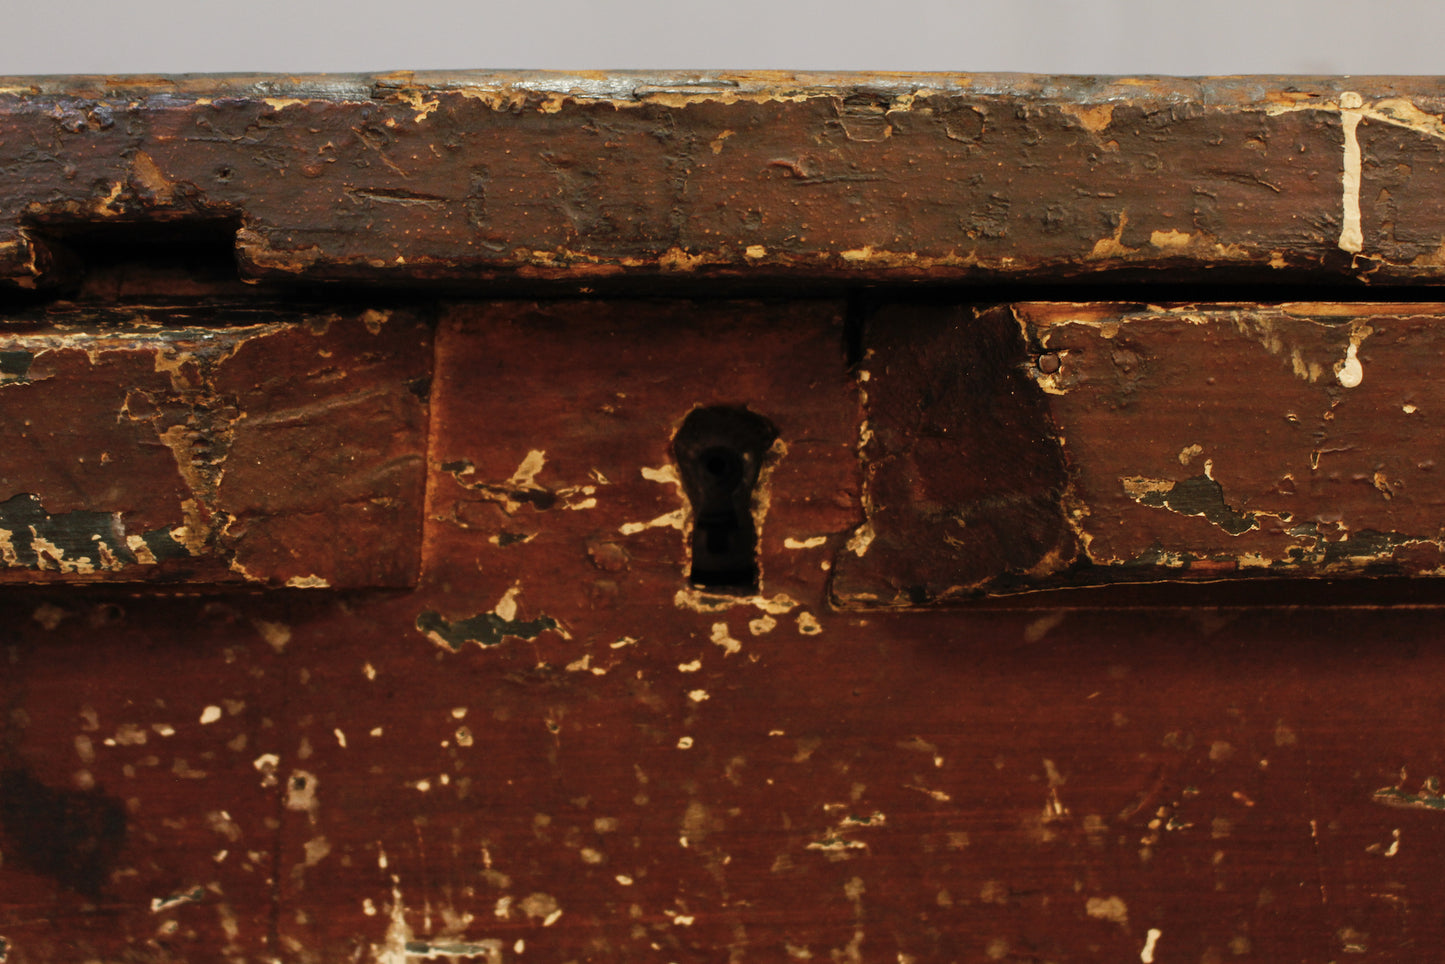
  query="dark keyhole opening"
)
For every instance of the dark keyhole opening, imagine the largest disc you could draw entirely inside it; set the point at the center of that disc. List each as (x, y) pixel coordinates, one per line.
(719, 452)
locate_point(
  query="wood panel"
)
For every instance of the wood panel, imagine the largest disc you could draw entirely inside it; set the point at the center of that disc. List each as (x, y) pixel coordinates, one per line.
(819, 178)
(212, 446)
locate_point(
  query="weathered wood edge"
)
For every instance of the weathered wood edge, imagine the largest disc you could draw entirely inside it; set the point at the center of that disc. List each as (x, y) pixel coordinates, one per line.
(474, 177)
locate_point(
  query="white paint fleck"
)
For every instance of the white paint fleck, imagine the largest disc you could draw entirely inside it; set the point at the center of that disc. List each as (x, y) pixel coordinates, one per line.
(624, 880)
(506, 607)
(423, 786)
(368, 671)
(665, 475)
(277, 635)
(691, 667)
(1351, 236)
(1350, 372)
(459, 712)
(376, 731)
(368, 907)
(763, 624)
(1107, 908)
(526, 475)
(1150, 940)
(317, 850)
(340, 737)
(308, 582)
(684, 743)
(520, 946)
(624, 641)
(670, 520)
(127, 734)
(542, 906)
(1408, 409)
(210, 715)
(808, 624)
(266, 765)
(301, 792)
(697, 696)
(721, 637)
(193, 896)
(861, 540)
(812, 542)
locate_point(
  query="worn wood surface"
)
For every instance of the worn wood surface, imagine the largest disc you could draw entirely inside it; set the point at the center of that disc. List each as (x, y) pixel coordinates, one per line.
(275, 447)
(581, 178)
(1038, 446)
(513, 726)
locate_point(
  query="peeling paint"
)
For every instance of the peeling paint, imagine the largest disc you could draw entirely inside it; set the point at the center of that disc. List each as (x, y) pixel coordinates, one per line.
(1428, 797)
(1200, 495)
(721, 637)
(193, 896)
(485, 629)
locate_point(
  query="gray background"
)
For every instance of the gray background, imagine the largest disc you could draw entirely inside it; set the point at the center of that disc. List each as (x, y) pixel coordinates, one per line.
(1062, 36)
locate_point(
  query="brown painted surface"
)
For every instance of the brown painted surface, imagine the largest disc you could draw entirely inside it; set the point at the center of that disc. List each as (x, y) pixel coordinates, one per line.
(512, 728)
(823, 178)
(1040, 446)
(185, 446)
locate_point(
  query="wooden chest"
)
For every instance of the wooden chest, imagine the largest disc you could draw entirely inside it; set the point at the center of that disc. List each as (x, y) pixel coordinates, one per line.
(721, 517)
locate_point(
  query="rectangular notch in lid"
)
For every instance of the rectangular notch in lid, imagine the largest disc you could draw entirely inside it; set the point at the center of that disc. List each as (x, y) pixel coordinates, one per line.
(1041, 446)
(213, 446)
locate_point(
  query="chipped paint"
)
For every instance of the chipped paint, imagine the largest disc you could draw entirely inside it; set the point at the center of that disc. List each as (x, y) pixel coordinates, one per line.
(670, 520)
(812, 542)
(1428, 797)
(301, 792)
(485, 629)
(721, 637)
(1093, 118)
(308, 582)
(193, 896)
(699, 601)
(1199, 495)
(1107, 908)
(489, 950)
(1151, 940)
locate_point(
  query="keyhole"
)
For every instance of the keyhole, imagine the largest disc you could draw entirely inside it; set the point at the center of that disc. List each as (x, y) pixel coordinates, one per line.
(719, 453)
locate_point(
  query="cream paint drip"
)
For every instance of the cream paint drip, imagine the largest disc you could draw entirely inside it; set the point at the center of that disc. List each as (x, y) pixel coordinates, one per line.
(1351, 236)
(1150, 940)
(1395, 111)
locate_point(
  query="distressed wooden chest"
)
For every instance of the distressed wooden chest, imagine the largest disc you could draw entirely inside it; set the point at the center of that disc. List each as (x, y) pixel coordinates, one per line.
(705, 517)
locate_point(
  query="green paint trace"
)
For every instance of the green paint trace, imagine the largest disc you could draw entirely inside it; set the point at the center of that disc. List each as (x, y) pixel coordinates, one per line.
(485, 629)
(1428, 797)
